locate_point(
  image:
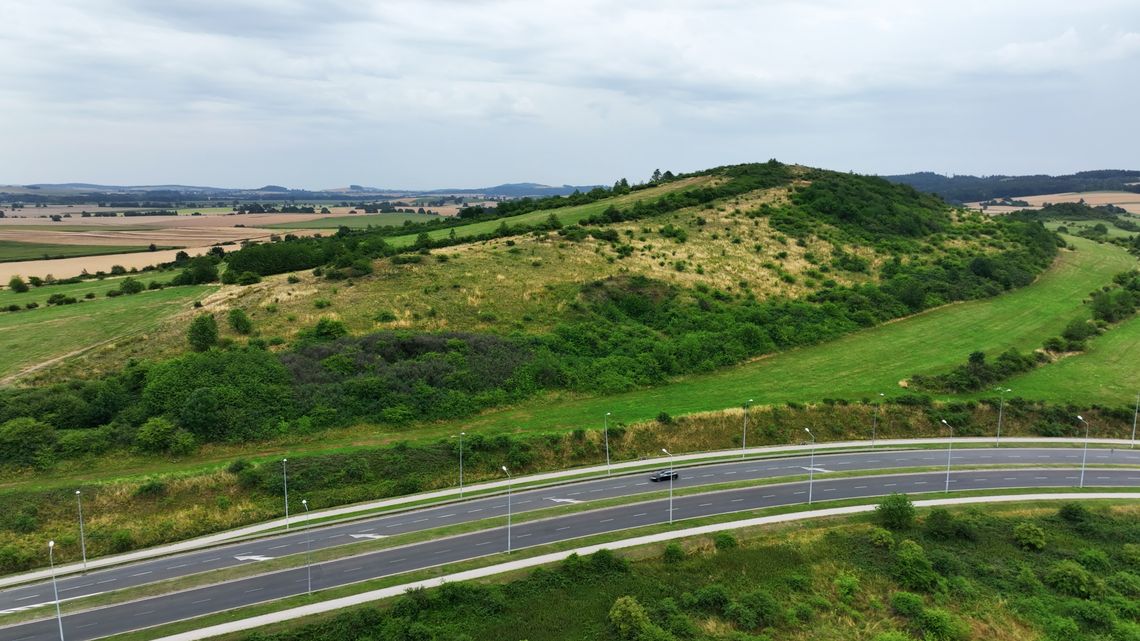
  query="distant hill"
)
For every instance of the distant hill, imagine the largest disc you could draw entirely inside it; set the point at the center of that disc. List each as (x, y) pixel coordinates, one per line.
(967, 188)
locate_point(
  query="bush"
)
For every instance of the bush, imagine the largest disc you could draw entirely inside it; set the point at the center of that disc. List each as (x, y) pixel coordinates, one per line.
(27, 442)
(724, 541)
(17, 285)
(673, 553)
(881, 538)
(907, 604)
(237, 466)
(1074, 513)
(248, 278)
(1029, 536)
(156, 435)
(152, 488)
(239, 321)
(912, 569)
(939, 625)
(121, 541)
(203, 333)
(1068, 577)
(896, 512)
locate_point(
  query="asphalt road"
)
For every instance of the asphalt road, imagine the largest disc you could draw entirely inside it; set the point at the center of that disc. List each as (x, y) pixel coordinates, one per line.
(271, 586)
(252, 551)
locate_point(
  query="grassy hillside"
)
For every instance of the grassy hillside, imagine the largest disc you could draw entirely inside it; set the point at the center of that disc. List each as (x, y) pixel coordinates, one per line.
(950, 576)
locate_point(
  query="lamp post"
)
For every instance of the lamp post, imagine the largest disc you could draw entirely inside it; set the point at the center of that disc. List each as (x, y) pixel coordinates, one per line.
(1134, 413)
(285, 478)
(1085, 454)
(308, 546)
(744, 430)
(1001, 406)
(461, 434)
(55, 588)
(875, 419)
(949, 453)
(509, 478)
(671, 473)
(82, 536)
(606, 434)
(811, 466)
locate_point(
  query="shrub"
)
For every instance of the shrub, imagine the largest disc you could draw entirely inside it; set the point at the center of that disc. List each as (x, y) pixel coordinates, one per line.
(1068, 577)
(121, 541)
(881, 538)
(846, 585)
(907, 604)
(630, 621)
(1029, 536)
(939, 625)
(17, 285)
(724, 541)
(1125, 583)
(237, 466)
(239, 321)
(1094, 560)
(156, 435)
(1074, 513)
(673, 553)
(896, 512)
(293, 279)
(151, 488)
(664, 418)
(203, 333)
(912, 569)
(27, 442)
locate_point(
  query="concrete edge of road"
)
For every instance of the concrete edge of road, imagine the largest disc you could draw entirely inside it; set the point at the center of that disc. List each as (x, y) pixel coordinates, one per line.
(440, 497)
(396, 590)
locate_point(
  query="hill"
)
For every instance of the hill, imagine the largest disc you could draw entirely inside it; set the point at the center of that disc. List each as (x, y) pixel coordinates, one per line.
(966, 188)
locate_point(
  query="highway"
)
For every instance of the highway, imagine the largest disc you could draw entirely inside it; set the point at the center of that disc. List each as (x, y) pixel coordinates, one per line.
(271, 586)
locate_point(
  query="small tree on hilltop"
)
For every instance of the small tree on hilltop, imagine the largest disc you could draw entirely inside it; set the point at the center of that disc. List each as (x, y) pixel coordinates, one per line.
(896, 512)
(203, 333)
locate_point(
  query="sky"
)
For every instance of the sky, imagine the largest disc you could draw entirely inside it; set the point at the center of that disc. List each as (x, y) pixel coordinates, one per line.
(449, 93)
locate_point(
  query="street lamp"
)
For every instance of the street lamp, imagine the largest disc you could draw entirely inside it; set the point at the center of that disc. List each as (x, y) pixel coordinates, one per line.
(1134, 413)
(875, 420)
(672, 473)
(1085, 454)
(82, 536)
(1001, 406)
(811, 466)
(285, 478)
(461, 434)
(744, 430)
(949, 453)
(54, 587)
(606, 432)
(509, 478)
(308, 545)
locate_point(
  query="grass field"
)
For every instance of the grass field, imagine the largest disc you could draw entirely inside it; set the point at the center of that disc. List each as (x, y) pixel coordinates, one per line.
(1078, 225)
(357, 222)
(873, 361)
(11, 250)
(33, 336)
(79, 290)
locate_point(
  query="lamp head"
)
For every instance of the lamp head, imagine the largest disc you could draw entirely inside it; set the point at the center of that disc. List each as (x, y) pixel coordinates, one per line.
(1080, 418)
(505, 469)
(284, 460)
(51, 544)
(76, 492)
(666, 451)
(945, 423)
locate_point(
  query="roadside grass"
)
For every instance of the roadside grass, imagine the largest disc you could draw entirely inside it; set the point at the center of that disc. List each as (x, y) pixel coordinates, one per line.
(31, 337)
(15, 250)
(360, 221)
(779, 539)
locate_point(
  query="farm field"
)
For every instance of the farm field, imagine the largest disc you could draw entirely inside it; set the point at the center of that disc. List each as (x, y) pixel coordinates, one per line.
(1079, 225)
(34, 336)
(872, 361)
(79, 290)
(356, 221)
(11, 250)
(1125, 199)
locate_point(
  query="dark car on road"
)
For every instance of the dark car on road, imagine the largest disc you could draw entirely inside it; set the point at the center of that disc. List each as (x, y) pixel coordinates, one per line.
(663, 475)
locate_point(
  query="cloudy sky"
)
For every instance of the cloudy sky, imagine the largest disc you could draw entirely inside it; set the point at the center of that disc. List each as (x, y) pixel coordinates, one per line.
(431, 93)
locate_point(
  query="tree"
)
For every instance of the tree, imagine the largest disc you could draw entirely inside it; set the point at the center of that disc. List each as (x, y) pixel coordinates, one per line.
(131, 286)
(896, 512)
(26, 441)
(203, 333)
(239, 321)
(17, 285)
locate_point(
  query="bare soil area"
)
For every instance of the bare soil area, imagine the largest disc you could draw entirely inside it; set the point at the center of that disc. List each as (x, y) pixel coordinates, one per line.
(1125, 199)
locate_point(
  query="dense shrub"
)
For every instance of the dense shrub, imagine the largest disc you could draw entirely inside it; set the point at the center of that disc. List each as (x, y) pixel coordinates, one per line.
(896, 512)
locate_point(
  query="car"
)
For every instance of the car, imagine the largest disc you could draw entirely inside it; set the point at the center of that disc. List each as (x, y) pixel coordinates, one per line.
(664, 475)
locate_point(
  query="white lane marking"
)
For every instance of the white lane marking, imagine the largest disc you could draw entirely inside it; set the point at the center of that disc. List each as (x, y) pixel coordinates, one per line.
(78, 627)
(396, 561)
(352, 569)
(804, 492)
(147, 612)
(730, 473)
(398, 524)
(829, 489)
(141, 573)
(106, 581)
(419, 520)
(484, 543)
(597, 490)
(275, 547)
(704, 504)
(564, 500)
(199, 601)
(605, 520)
(216, 558)
(445, 516)
(736, 500)
(371, 537)
(707, 475)
(768, 496)
(573, 493)
(645, 483)
(640, 514)
(567, 527)
(860, 487)
(254, 590)
(521, 502)
(920, 482)
(253, 557)
(814, 469)
(889, 484)
(27, 597)
(478, 509)
(517, 536)
(617, 487)
(368, 529)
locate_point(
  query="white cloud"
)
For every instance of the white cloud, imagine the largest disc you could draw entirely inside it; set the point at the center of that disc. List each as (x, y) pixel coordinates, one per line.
(597, 88)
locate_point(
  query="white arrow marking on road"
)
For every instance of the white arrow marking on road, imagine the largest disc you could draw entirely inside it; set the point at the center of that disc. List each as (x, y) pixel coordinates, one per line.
(565, 500)
(253, 557)
(815, 469)
(367, 536)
